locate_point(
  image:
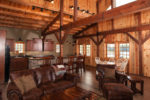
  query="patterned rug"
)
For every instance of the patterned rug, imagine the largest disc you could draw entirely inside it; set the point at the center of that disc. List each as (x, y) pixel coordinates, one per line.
(96, 96)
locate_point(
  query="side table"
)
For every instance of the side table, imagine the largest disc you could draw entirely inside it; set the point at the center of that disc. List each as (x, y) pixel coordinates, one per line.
(134, 80)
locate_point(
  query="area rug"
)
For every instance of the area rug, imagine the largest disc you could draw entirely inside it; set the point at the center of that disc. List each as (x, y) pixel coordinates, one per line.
(96, 96)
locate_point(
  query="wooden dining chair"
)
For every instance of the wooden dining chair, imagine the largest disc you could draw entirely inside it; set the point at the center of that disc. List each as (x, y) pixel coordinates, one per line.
(80, 63)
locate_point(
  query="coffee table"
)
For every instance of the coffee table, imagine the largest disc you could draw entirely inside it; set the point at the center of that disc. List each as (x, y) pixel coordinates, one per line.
(74, 93)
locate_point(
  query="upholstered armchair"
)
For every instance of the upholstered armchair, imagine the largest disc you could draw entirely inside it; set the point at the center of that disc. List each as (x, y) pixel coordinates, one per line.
(121, 65)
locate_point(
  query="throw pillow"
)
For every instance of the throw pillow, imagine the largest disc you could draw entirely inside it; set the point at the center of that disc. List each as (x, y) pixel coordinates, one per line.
(109, 73)
(60, 70)
(28, 83)
(19, 84)
(25, 83)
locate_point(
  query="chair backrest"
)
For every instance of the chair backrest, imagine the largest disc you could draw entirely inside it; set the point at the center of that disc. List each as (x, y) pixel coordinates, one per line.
(119, 62)
(80, 58)
(97, 60)
(124, 65)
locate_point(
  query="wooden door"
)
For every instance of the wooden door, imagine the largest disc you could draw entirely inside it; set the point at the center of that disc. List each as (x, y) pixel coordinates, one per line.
(2, 54)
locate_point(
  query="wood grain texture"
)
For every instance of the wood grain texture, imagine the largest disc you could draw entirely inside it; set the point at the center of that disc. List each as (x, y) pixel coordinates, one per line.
(2, 54)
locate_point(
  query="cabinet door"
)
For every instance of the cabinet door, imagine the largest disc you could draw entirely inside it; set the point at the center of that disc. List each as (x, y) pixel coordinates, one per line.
(29, 45)
(48, 45)
(37, 44)
(11, 44)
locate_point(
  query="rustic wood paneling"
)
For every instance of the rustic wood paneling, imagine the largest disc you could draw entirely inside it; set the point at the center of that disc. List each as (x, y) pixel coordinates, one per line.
(2, 54)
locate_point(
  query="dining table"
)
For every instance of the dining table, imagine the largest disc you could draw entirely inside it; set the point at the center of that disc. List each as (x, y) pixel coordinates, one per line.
(105, 64)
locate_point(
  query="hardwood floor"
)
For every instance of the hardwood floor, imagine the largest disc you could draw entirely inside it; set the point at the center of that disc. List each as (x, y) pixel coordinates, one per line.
(89, 82)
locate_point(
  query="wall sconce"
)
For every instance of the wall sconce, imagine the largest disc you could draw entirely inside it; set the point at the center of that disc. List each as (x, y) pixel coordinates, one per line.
(83, 11)
(33, 7)
(71, 7)
(41, 9)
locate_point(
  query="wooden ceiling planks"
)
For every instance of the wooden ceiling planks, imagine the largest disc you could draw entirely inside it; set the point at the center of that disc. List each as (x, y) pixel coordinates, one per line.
(23, 13)
(127, 9)
(55, 6)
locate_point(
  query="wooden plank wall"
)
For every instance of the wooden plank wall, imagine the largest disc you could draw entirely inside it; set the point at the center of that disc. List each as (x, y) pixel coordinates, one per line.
(2, 55)
(124, 22)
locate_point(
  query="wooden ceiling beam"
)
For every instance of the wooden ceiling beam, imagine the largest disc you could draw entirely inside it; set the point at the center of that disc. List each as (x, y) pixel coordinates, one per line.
(133, 38)
(83, 30)
(23, 20)
(51, 23)
(20, 24)
(123, 30)
(16, 26)
(121, 11)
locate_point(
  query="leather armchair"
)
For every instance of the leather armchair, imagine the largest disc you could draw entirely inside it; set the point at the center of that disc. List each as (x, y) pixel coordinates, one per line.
(119, 78)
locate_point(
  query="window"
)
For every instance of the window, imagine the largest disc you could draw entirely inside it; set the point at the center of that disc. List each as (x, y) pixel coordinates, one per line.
(124, 50)
(57, 48)
(19, 47)
(88, 50)
(81, 49)
(111, 50)
(123, 2)
(109, 8)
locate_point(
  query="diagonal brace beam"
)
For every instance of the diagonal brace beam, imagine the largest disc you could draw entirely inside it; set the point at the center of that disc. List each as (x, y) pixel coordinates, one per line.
(51, 23)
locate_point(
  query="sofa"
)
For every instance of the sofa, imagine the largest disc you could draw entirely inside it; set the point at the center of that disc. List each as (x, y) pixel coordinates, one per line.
(45, 80)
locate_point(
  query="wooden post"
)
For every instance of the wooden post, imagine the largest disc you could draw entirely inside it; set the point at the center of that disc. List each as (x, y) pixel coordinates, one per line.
(61, 23)
(75, 10)
(140, 46)
(97, 45)
(43, 39)
(2, 55)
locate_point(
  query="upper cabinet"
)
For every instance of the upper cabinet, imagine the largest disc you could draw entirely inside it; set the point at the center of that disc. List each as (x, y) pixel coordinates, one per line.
(48, 45)
(36, 45)
(11, 44)
(29, 45)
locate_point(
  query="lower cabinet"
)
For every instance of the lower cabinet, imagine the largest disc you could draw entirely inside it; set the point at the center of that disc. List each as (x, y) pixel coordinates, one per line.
(17, 64)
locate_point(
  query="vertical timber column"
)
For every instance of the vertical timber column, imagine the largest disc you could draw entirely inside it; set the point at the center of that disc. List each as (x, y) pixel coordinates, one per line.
(2, 55)
(75, 10)
(140, 46)
(97, 45)
(61, 23)
(75, 18)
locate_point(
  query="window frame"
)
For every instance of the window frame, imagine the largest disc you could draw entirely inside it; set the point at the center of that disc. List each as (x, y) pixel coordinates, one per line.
(123, 4)
(16, 43)
(114, 50)
(89, 49)
(56, 48)
(80, 49)
(126, 51)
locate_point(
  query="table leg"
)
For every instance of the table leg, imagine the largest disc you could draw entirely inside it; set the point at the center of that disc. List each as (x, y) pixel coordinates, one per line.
(133, 86)
(142, 87)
